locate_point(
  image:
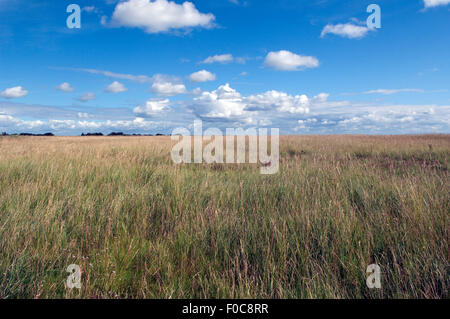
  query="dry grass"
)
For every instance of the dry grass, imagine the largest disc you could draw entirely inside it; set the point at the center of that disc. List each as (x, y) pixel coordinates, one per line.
(142, 227)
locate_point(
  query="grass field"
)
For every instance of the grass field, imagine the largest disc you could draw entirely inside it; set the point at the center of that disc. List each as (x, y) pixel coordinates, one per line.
(142, 227)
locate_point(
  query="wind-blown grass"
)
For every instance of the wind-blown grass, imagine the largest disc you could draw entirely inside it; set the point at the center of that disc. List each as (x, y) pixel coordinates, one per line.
(142, 227)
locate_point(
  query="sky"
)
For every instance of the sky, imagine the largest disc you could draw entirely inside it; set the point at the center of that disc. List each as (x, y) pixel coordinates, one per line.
(150, 66)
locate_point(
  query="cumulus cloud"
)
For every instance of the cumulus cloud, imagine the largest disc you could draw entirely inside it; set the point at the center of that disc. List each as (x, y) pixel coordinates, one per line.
(167, 88)
(159, 15)
(202, 76)
(346, 30)
(281, 101)
(86, 97)
(287, 61)
(226, 103)
(65, 87)
(222, 58)
(223, 103)
(14, 92)
(435, 3)
(116, 87)
(152, 107)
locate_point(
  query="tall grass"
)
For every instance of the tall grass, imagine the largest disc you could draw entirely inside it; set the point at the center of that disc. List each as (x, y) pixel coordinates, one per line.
(142, 227)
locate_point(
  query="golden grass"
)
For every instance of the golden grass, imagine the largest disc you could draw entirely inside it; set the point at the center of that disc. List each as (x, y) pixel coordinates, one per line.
(142, 227)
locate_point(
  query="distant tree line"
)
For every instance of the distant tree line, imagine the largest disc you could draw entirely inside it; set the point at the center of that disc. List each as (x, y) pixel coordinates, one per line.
(27, 134)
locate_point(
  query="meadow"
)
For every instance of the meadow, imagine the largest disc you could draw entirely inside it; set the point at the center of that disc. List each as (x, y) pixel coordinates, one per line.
(141, 226)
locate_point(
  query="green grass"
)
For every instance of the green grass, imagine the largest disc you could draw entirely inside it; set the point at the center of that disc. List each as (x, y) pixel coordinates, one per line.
(142, 227)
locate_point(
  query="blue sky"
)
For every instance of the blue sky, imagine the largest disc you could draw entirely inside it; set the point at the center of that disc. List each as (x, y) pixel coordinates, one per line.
(306, 67)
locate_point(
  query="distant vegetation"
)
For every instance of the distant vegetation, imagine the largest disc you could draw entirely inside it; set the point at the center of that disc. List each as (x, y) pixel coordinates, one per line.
(28, 134)
(142, 227)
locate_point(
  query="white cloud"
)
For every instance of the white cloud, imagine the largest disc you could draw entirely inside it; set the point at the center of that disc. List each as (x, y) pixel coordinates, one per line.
(202, 76)
(116, 87)
(168, 88)
(157, 78)
(7, 121)
(390, 92)
(280, 101)
(161, 84)
(130, 77)
(346, 30)
(197, 91)
(287, 61)
(321, 98)
(394, 117)
(13, 124)
(224, 103)
(159, 15)
(227, 104)
(435, 3)
(222, 58)
(90, 9)
(152, 107)
(14, 92)
(83, 115)
(283, 102)
(226, 107)
(65, 87)
(87, 97)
